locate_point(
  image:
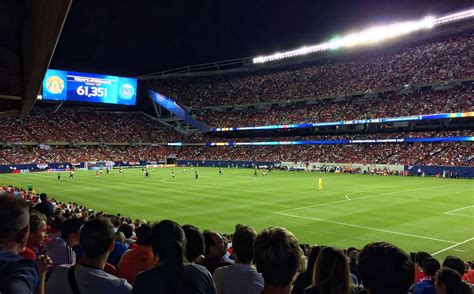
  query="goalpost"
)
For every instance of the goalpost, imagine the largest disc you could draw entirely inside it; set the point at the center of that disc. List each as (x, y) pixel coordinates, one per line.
(96, 165)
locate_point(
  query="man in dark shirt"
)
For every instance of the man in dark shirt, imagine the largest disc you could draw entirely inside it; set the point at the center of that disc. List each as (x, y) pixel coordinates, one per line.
(18, 274)
(385, 269)
(215, 249)
(45, 207)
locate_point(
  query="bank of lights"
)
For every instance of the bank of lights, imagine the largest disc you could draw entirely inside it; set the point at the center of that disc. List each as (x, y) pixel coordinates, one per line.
(370, 36)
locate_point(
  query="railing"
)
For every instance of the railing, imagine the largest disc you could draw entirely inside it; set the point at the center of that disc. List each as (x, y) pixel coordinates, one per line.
(211, 66)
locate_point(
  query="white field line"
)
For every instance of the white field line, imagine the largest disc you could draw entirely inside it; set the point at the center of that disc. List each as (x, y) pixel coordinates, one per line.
(453, 246)
(448, 212)
(460, 214)
(459, 250)
(359, 198)
(367, 228)
(352, 193)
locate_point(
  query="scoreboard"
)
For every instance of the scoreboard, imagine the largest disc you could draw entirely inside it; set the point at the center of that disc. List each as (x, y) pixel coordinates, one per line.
(64, 85)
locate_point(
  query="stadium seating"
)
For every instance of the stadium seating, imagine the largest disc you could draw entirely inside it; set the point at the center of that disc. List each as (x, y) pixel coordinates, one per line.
(459, 99)
(448, 154)
(445, 154)
(390, 68)
(43, 125)
(82, 154)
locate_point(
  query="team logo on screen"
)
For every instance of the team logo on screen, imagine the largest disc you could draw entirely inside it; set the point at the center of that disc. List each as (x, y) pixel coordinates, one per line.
(55, 85)
(127, 91)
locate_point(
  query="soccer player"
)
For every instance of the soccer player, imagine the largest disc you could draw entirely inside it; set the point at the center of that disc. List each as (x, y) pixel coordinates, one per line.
(220, 172)
(71, 174)
(173, 173)
(196, 174)
(107, 170)
(97, 174)
(147, 174)
(59, 176)
(255, 172)
(320, 183)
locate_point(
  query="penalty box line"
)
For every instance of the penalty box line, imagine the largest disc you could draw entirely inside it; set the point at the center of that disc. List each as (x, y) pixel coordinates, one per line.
(367, 228)
(453, 246)
(451, 212)
(359, 198)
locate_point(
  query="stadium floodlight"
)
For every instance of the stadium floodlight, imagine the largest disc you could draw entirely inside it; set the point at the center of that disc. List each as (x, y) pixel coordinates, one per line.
(428, 22)
(370, 36)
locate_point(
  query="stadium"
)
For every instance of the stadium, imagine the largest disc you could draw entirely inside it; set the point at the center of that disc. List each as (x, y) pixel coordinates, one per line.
(364, 139)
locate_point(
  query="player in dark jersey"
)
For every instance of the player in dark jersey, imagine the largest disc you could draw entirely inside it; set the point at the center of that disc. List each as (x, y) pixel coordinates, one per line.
(220, 172)
(255, 172)
(196, 174)
(59, 176)
(147, 174)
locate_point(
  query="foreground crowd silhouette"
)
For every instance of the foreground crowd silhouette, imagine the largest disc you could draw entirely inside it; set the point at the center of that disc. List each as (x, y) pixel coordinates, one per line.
(51, 247)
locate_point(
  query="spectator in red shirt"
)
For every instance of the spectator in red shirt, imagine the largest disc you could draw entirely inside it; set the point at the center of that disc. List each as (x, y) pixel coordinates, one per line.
(420, 258)
(138, 259)
(37, 233)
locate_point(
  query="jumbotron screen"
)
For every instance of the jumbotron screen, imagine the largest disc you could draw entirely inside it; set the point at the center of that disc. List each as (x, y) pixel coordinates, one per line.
(64, 85)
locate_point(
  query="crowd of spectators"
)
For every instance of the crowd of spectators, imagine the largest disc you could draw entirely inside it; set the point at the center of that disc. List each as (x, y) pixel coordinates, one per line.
(352, 136)
(460, 99)
(18, 155)
(424, 62)
(44, 125)
(13, 130)
(47, 246)
(445, 154)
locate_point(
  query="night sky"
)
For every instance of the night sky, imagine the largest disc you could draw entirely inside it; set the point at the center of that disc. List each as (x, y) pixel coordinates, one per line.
(133, 37)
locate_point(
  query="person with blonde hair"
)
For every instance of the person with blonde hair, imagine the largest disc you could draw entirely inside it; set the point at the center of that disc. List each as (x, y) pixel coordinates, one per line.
(331, 273)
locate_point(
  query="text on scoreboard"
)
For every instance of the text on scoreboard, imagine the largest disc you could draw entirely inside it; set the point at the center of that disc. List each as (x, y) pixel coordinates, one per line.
(86, 87)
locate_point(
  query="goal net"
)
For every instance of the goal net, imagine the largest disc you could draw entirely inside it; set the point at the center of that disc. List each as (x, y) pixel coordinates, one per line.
(97, 165)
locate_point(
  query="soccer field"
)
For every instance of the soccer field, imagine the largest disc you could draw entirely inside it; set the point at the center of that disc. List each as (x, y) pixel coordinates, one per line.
(430, 214)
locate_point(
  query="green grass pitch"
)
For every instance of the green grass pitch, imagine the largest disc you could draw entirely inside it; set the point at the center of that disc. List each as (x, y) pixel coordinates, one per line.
(431, 214)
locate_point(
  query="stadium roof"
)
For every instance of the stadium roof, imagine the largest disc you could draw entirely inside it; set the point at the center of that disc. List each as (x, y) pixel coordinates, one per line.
(135, 37)
(29, 30)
